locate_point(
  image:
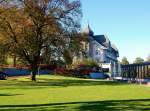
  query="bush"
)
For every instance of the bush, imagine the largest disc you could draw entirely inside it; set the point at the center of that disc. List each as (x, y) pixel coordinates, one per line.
(59, 71)
(85, 62)
(89, 62)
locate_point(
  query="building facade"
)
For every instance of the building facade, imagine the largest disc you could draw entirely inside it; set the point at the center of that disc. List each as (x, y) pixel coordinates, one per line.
(101, 50)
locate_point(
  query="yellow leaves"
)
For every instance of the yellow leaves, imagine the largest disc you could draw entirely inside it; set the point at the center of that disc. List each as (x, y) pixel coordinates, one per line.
(3, 39)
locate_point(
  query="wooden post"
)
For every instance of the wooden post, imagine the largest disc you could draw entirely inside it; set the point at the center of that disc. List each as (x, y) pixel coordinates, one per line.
(138, 74)
(144, 72)
(147, 70)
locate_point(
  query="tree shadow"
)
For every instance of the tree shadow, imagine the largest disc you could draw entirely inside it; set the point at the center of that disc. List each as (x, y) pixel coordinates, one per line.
(10, 94)
(117, 105)
(109, 105)
(46, 82)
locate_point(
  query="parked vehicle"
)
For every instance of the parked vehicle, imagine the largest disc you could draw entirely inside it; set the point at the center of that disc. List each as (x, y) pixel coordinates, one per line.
(87, 71)
(3, 76)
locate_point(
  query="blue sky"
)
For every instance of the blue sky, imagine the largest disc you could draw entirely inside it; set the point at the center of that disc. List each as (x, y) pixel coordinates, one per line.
(126, 22)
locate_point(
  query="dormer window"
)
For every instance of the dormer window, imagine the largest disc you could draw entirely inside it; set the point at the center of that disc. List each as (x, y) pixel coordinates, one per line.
(97, 53)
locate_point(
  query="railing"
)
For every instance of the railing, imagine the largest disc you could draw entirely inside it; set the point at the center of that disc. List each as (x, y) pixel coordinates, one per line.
(136, 71)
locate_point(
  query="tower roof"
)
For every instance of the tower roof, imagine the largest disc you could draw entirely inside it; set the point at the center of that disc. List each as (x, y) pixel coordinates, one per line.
(88, 30)
(102, 39)
(114, 47)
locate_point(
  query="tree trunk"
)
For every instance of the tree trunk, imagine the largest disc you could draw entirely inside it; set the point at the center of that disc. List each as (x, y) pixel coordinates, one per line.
(33, 76)
(14, 60)
(34, 70)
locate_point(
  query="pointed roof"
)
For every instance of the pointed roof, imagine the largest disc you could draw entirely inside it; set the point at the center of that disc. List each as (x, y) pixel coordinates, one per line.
(88, 30)
(114, 47)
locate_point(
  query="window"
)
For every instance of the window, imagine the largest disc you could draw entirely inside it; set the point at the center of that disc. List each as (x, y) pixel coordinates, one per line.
(96, 52)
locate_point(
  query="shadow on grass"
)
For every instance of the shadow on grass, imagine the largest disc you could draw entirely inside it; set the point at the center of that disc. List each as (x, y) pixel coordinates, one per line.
(71, 82)
(10, 94)
(44, 82)
(110, 105)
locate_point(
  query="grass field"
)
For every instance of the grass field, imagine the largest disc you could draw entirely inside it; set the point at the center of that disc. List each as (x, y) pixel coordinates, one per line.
(57, 93)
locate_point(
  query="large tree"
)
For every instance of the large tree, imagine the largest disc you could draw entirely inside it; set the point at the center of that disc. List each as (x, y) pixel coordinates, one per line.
(1, 1)
(3, 53)
(33, 25)
(139, 60)
(148, 58)
(124, 61)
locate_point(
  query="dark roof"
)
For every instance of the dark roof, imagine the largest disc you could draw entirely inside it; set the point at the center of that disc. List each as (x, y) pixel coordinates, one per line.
(88, 30)
(113, 46)
(102, 39)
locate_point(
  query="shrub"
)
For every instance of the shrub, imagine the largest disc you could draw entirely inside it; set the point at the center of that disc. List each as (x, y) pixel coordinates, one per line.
(85, 62)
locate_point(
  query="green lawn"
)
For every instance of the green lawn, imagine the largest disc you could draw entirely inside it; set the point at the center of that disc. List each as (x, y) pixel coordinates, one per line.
(56, 93)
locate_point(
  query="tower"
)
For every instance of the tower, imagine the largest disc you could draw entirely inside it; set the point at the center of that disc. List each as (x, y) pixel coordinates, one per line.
(88, 31)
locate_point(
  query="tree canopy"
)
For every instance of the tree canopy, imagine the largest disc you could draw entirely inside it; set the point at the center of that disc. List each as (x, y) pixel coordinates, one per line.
(148, 58)
(139, 60)
(31, 27)
(124, 61)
